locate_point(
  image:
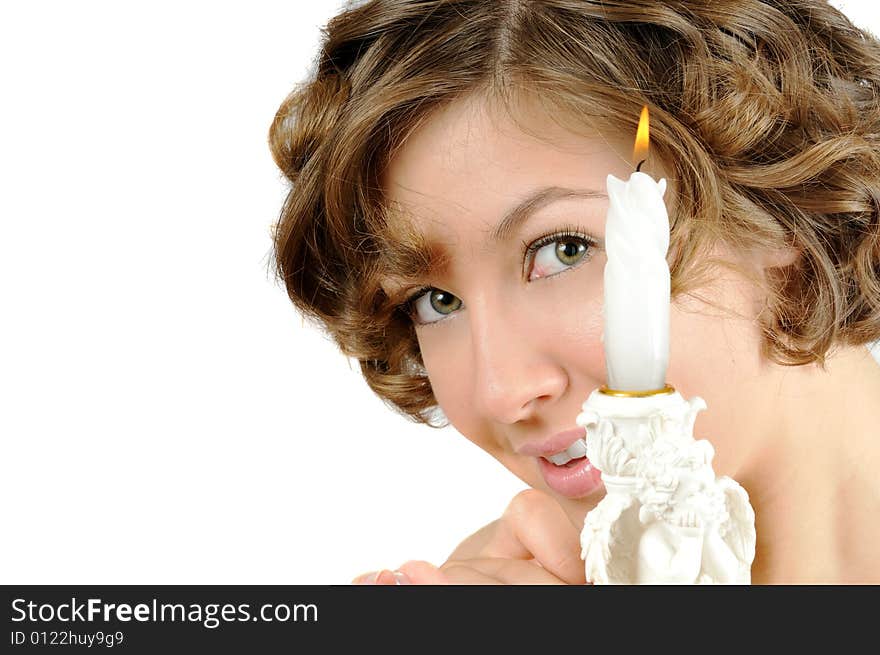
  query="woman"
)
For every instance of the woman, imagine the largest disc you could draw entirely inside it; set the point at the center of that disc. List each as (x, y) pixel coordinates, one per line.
(427, 123)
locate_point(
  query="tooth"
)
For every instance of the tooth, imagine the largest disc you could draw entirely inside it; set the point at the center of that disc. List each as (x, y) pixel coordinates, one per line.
(559, 458)
(577, 449)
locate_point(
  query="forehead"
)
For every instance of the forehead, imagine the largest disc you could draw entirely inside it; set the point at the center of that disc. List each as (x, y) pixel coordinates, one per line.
(461, 170)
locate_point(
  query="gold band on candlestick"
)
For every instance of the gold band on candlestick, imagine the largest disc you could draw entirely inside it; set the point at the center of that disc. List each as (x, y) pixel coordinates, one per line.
(636, 394)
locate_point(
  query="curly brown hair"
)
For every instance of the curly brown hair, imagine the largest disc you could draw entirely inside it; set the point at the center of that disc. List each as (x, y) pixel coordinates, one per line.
(764, 113)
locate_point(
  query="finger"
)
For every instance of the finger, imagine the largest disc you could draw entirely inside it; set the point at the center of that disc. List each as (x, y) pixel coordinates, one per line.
(383, 576)
(386, 577)
(365, 578)
(461, 573)
(475, 544)
(421, 572)
(535, 526)
(502, 571)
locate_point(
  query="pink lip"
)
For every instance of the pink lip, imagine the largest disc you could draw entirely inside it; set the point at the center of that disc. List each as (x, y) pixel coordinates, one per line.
(576, 481)
(552, 445)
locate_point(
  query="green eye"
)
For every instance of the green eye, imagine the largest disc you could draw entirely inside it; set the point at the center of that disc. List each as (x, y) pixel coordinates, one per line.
(559, 252)
(429, 305)
(443, 302)
(569, 252)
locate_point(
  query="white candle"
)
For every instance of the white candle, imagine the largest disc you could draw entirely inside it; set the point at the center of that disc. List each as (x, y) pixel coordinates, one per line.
(637, 288)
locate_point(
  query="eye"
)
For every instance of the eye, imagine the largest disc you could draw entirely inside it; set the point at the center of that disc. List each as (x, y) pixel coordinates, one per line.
(429, 305)
(558, 252)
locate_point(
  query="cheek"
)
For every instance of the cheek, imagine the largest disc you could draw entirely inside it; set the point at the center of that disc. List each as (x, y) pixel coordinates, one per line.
(448, 370)
(443, 366)
(713, 347)
(717, 357)
(571, 327)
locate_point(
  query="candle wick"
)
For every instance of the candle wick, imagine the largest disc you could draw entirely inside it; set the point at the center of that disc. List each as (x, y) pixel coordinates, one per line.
(639, 166)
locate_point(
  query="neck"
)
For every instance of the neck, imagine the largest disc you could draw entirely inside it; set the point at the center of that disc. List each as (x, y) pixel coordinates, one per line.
(811, 476)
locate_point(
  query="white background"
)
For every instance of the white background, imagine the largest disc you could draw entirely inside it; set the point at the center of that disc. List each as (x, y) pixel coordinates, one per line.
(165, 416)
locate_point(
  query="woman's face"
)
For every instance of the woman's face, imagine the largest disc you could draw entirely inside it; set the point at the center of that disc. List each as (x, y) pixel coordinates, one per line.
(510, 330)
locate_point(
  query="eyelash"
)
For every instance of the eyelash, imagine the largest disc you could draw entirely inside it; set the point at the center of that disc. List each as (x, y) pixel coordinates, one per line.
(571, 232)
(566, 232)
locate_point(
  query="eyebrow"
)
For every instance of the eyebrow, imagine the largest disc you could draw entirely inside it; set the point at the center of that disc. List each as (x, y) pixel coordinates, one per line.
(516, 216)
(425, 260)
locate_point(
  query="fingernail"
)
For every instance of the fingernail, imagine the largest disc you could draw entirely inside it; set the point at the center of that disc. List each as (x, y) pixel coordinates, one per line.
(366, 578)
(401, 578)
(385, 577)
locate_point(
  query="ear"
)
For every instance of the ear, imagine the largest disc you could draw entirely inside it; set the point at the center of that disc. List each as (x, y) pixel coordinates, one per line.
(779, 257)
(662, 186)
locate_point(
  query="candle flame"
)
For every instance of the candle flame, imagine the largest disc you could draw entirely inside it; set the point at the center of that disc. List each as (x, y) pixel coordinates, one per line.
(640, 150)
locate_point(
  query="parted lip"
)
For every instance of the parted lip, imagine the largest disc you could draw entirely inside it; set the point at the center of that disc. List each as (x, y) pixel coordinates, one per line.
(552, 445)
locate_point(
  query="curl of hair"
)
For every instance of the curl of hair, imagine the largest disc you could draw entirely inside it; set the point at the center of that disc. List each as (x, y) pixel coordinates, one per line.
(765, 114)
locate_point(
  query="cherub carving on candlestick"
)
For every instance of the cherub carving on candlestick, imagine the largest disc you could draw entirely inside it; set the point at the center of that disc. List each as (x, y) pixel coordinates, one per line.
(665, 517)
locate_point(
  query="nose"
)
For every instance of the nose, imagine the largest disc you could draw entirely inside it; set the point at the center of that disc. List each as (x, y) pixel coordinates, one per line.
(515, 374)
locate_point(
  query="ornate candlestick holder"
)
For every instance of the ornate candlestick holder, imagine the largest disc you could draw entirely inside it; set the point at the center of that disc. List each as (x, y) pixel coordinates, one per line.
(666, 518)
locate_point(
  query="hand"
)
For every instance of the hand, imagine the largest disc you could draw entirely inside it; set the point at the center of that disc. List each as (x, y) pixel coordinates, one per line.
(687, 523)
(533, 542)
(685, 517)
